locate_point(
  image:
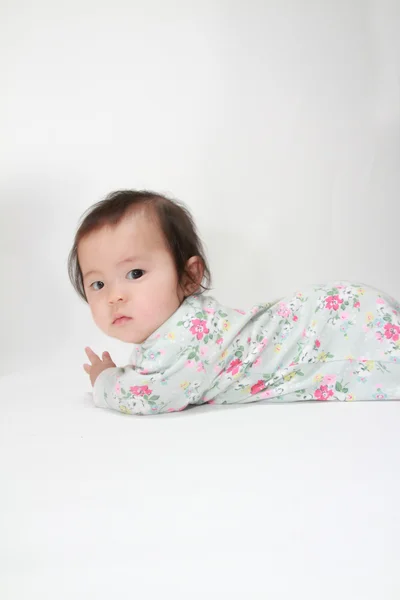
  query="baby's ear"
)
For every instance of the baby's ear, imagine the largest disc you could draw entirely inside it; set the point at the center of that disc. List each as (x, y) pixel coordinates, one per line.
(194, 272)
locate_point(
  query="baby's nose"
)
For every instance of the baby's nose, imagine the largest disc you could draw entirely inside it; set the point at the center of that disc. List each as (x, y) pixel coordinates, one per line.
(115, 295)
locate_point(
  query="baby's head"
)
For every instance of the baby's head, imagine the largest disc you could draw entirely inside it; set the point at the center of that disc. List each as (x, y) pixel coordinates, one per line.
(136, 254)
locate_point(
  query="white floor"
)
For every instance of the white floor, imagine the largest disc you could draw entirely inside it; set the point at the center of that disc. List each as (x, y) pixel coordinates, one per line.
(264, 501)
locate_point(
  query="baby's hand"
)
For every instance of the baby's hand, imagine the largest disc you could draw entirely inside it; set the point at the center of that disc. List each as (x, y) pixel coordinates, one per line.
(98, 365)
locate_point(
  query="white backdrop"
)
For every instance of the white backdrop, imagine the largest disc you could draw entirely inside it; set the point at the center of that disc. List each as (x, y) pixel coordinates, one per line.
(277, 123)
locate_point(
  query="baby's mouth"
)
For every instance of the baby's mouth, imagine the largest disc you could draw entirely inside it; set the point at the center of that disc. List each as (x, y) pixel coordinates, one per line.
(121, 320)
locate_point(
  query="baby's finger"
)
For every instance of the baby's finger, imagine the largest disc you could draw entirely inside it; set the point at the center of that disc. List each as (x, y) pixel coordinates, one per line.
(87, 368)
(92, 356)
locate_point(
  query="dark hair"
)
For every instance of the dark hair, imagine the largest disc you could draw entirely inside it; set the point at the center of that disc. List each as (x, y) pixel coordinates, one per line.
(175, 220)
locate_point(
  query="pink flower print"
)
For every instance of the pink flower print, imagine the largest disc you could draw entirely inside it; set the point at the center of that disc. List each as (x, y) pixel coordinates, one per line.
(219, 341)
(323, 393)
(304, 333)
(118, 388)
(209, 311)
(211, 402)
(260, 347)
(379, 395)
(365, 328)
(344, 316)
(317, 344)
(357, 304)
(329, 379)
(266, 394)
(257, 362)
(379, 336)
(203, 350)
(189, 363)
(333, 302)
(380, 301)
(240, 311)
(392, 332)
(234, 366)
(257, 387)
(200, 368)
(199, 328)
(295, 318)
(140, 390)
(284, 311)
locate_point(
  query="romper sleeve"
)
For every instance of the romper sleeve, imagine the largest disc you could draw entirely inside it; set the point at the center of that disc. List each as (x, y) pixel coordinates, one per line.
(128, 391)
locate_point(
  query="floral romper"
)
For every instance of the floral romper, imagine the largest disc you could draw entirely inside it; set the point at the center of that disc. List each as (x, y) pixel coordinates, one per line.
(326, 342)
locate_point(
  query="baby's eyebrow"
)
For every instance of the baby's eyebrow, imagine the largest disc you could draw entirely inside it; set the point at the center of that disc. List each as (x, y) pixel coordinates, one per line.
(121, 262)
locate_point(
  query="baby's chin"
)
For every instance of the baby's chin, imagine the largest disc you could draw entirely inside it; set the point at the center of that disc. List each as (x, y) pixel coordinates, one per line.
(128, 337)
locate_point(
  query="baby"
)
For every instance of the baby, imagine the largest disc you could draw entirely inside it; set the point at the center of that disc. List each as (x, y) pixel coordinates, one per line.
(138, 262)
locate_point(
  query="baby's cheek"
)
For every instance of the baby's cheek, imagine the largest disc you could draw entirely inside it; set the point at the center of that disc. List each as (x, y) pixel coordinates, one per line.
(98, 316)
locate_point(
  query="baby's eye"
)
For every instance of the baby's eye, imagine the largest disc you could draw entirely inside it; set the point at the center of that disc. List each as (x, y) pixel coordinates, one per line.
(97, 285)
(135, 274)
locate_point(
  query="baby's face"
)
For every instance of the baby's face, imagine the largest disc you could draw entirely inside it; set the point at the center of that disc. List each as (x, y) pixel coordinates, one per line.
(128, 272)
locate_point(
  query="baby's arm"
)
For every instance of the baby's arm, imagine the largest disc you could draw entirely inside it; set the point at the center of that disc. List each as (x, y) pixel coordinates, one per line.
(127, 390)
(130, 391)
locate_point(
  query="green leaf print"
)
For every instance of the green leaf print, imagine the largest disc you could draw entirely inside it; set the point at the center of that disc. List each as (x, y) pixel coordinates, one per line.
(345, 390)
(239, 354)
(387, 318)
(180, 323)
(206, 339)
(338, 387)
(191, 355)
(200, 315)
(154, 398)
